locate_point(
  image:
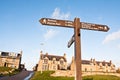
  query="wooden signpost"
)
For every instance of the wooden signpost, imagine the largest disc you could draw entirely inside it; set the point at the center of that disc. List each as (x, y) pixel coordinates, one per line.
(77, 25)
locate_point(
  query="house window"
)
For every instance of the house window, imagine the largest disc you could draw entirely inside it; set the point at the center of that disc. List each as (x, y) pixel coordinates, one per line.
(91, 69)
(61, 62)
(13, 60)
(45, 61)
(62, 65)
(101, 67)
(54, 67)
(53, 61)
(85, 69)
(12, 65)
(45, 67)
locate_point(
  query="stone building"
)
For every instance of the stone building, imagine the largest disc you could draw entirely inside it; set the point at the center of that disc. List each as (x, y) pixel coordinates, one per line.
(10, 59)
(52, 62)
(95, 66)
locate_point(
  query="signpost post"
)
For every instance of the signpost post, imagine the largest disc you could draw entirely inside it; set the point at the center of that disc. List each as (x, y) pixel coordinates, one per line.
(77, 25)
(77, 54)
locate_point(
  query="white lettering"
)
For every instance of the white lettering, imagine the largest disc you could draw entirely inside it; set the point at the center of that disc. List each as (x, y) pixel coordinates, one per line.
(53, 23)
(51, 20)
(69, 25)
(58, 24)
(93, 26)
(69, 22)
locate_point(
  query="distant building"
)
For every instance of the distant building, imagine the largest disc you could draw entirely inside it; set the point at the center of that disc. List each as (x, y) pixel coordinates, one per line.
(22, 67)
(95, 66)
(35, 67)
(10, 59)
(52, 62)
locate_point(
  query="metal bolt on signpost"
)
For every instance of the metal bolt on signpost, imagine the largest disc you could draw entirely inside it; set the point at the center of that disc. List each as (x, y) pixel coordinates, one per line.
(77, 25)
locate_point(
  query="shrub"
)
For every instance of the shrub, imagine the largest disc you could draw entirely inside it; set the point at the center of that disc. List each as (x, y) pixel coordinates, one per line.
(118, 70)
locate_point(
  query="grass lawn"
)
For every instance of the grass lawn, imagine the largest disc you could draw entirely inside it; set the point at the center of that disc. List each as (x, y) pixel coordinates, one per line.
(46, 76)
(2, 69)
(101, 77)
(7, 70)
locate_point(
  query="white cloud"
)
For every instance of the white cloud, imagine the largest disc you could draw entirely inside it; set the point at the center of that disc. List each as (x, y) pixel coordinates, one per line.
(57, 14)
(50, 34)
(111, 37)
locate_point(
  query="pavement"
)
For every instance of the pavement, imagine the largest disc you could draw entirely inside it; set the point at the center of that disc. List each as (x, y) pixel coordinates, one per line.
(20, 76)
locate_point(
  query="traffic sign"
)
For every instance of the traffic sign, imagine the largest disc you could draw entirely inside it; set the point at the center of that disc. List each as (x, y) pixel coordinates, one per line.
(96, 27)
(71, 41)
(55, 22)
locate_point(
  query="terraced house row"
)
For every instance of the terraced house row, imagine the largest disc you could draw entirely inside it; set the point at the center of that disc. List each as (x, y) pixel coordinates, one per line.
(55, 62)
(95, 66)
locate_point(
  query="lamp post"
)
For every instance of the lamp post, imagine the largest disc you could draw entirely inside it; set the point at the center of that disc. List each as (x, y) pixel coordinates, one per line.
(41, 53)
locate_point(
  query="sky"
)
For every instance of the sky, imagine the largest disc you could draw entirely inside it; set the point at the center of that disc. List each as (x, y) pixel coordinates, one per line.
(20, 29)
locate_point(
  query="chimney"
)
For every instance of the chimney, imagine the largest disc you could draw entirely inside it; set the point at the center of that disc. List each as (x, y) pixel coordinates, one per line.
(110, 62)
(41, 54)
(91, 60)
(46, 54)
(64, 55)
(21, 52)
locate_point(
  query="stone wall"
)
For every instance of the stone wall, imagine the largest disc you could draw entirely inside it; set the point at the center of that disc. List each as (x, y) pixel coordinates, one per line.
(69, 73)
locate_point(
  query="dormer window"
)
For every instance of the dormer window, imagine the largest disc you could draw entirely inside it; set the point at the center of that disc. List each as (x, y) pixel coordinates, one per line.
(45, 61)
(54, 60)
(61, 62)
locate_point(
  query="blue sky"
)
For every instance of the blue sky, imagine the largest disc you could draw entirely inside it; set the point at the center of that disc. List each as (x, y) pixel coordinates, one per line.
(20, 28)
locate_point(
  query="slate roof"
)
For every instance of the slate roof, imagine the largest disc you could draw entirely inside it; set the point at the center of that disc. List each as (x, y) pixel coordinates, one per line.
(97, 62)
(85, 62)
(103, 63)
(50, 57)
(7, 55)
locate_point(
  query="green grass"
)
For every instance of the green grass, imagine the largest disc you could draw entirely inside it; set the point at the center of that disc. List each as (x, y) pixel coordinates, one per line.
(101, 77)
(46, 76)
(8, 69)
(16, 71)
(2, 69)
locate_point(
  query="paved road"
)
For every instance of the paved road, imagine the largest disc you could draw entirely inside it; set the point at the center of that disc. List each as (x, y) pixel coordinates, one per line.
(21, 76)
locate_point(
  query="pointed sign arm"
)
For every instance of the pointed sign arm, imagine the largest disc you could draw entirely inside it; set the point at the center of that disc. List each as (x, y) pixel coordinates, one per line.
(71, 41)
(56, 22)
(96, 27)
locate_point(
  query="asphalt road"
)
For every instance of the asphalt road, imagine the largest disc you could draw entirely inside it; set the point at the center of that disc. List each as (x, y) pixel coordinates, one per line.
(20, 76)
